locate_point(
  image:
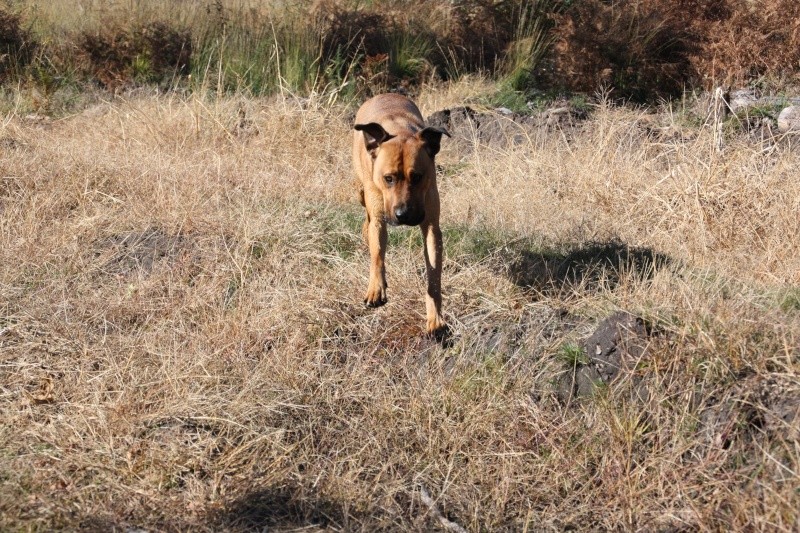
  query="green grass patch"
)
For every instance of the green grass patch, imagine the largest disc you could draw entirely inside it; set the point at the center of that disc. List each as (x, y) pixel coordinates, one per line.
(508, 97)
(409, 53)
(474, 242)
(340, 230)
(483, 377)
(789, 301)
(572, 355)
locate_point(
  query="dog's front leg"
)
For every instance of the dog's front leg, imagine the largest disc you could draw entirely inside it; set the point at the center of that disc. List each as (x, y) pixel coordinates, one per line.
(376, 239)
(434, 250)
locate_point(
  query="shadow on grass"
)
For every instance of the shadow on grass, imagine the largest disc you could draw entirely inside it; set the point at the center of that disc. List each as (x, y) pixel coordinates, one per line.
(591, 265)
(278, 509)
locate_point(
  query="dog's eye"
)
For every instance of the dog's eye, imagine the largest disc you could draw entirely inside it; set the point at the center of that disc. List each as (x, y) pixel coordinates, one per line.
(389, 179)
(416, 177)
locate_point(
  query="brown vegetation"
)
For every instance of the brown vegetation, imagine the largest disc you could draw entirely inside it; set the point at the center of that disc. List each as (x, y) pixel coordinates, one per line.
(147, 53)
(643, 49)
(16, 45)
(638, 48)
(745, 41)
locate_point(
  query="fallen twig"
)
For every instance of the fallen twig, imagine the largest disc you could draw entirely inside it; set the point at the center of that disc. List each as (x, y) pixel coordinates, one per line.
(428, 501)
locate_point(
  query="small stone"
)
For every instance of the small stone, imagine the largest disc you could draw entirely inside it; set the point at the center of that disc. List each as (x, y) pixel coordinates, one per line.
(789, 119)
(743, 99)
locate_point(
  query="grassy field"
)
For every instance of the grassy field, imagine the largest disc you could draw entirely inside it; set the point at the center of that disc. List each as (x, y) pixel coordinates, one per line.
(183, 344)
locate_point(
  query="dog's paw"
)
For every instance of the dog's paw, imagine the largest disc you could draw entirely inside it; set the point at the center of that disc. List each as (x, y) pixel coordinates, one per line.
(436, 324)
(376, 296)
(440, 331)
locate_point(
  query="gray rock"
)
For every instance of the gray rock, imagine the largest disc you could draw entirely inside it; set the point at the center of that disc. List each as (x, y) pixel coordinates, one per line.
(789, 119)
(486, 128)
(613, 352)
(502, 127)
(587, 379)
(742, 99)
(618, 344)
(581, 382)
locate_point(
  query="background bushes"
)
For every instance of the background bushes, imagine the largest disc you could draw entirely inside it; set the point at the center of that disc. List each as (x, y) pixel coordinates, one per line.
(658, 48)
(748, 41)
(17, 45)
(642, 49)
(147, 53)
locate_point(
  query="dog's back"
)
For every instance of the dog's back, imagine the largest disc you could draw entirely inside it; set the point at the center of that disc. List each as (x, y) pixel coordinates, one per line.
(398, 115)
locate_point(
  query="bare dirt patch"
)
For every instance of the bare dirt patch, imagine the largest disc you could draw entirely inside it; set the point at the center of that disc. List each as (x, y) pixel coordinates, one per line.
(139, 251)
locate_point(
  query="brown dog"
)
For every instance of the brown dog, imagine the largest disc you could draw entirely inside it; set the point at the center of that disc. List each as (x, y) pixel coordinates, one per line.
(393, 155)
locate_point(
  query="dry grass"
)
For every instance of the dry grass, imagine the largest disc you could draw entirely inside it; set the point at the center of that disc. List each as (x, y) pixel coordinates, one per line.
(183, 345)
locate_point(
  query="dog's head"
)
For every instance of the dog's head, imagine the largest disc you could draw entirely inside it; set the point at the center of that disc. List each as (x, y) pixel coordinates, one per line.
(403, 169)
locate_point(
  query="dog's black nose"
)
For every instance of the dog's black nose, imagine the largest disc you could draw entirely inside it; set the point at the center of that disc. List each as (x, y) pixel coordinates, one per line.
(401, 213)
(406, 216)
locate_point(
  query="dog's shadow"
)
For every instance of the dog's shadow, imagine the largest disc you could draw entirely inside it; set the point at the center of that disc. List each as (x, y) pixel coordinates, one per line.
(591, 266)
(278, 509)
(586, 268)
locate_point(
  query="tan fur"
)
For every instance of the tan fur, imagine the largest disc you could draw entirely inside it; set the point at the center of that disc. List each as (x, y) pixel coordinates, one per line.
(391, 140)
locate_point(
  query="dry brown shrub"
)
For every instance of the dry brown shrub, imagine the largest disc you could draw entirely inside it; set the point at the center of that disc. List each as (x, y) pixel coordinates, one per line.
(641, 48)
(17, 45)
(744, 41)
(651, 48)
(479, 33)
(153, 52)
(351, 30)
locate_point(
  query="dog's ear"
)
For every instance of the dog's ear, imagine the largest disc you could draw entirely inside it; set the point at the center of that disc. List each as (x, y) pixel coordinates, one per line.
(374, 136)
(432, 136)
